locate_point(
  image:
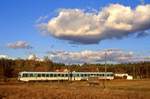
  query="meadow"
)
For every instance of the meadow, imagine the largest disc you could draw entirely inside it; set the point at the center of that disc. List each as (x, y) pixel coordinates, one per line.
(115, 89)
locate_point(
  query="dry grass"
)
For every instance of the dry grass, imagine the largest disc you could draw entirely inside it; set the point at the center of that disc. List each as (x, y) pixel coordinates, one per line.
(78, 90)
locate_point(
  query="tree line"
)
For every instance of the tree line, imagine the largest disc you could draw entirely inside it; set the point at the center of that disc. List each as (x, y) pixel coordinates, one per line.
(10, 68)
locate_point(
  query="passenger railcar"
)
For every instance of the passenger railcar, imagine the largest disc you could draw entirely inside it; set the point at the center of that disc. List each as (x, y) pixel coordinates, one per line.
(51, 76)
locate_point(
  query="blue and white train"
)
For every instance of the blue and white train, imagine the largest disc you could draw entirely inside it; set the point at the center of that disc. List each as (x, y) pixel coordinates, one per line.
(73, 76)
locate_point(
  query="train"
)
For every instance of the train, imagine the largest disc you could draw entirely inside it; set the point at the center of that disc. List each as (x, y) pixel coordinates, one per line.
(27, 76)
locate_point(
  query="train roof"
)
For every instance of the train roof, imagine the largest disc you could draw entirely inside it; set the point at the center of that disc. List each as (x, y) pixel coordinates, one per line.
(69, 72)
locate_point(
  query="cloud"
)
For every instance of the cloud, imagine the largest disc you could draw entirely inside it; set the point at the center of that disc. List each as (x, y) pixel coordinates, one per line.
(19, 45)
(41, 19)
(88, 56)
(114, 21)
(143, 34)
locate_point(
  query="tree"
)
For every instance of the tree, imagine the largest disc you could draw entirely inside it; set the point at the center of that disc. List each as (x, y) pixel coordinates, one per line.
(6, 69)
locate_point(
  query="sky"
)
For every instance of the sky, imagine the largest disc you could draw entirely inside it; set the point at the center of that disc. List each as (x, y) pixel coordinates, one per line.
(74, 29)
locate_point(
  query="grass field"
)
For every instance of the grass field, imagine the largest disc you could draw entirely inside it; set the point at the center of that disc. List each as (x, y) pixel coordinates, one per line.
(116, 89)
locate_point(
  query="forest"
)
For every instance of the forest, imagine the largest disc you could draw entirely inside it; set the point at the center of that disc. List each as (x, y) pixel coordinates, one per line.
(10, 68)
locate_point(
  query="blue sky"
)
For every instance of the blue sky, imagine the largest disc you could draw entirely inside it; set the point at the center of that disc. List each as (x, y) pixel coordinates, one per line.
(18, 22)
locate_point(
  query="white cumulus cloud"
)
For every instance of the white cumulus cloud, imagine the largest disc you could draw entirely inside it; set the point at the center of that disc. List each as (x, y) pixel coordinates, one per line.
(19, 45)
(113, 21)
(89, 56)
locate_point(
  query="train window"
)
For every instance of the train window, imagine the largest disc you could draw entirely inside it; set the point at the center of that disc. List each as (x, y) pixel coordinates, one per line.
(78, 75)
(59, 75)
(83, 75)
(86, 75)
(92, 75)
(35, 75)
(51, 75)
(30, 75)
(66, 75)
(62, 75)
(71, 75)
(109, 74)
(39, 75)
(25, 75)
(55, 75)
(43, 75)
(47, 75)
